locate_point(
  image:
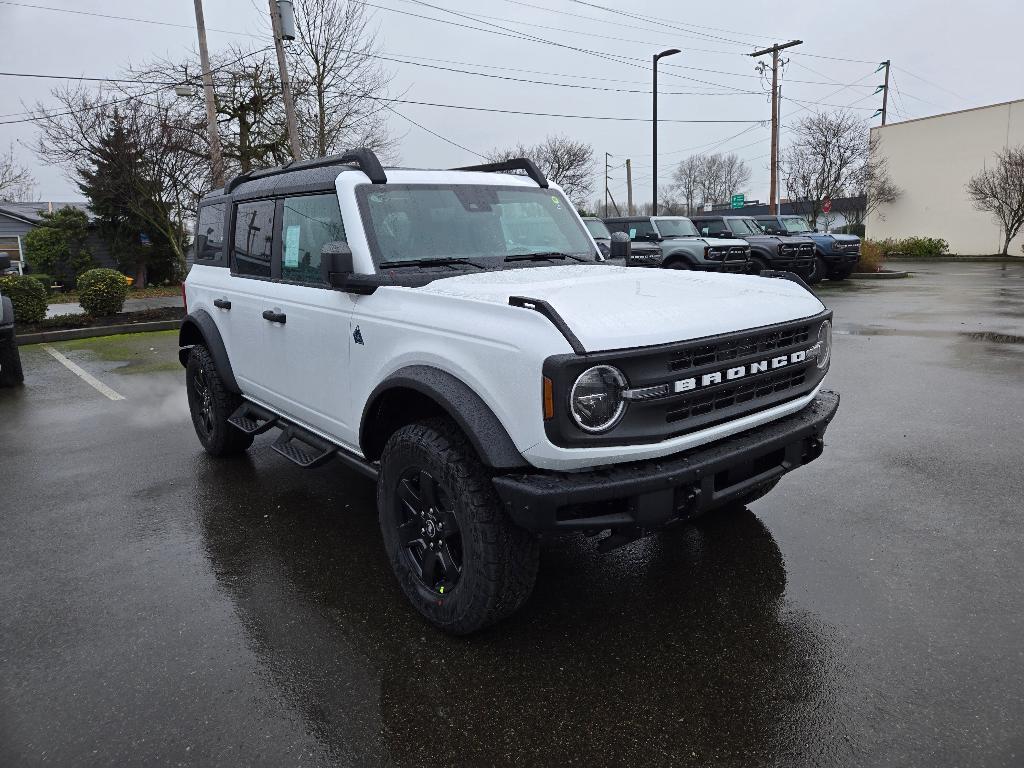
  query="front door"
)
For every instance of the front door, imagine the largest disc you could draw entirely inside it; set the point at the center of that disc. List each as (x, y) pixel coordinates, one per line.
(305, 342)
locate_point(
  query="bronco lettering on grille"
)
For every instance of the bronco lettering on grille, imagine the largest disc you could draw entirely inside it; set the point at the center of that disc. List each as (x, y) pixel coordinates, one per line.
(739, 371)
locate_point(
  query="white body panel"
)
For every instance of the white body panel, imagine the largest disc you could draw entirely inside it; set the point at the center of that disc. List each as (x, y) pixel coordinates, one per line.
(313, 370)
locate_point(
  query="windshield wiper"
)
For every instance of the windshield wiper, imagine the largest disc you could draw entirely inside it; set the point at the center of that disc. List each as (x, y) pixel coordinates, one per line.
(439, 262)
(543, 256)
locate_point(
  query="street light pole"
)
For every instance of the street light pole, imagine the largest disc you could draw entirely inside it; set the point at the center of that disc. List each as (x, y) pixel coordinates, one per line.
(216, 158)
(654, 128)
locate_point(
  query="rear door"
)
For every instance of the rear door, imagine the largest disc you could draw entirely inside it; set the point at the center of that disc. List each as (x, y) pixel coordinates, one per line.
(252, 251)
(304, 352)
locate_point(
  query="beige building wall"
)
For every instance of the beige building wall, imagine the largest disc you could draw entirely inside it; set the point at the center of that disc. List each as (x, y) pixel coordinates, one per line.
(932, 159)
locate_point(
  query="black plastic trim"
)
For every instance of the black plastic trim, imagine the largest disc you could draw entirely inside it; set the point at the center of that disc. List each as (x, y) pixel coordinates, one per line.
(201, 324)
(516, 164)
(539, 305)
(363, 158)
(649, 494)
(484, 430)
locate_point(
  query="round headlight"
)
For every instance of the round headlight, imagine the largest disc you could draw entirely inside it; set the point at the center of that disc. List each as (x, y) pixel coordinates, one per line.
(825, 342)
(596, 400)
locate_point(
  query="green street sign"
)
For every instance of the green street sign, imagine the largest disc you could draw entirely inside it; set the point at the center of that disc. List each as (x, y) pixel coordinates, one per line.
(737, 201)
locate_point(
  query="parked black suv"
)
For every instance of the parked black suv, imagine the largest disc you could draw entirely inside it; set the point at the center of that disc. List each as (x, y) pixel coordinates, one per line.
(10, 361)
(788, 253)
(835, 255)
(641, 254)
(682, 246)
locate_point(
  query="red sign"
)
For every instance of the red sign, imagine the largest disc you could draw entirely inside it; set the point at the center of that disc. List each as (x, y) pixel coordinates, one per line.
(826, 205)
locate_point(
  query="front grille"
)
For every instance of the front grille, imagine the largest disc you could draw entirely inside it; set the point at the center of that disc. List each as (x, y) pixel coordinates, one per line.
(695, 384)
(734, 348)
(719, 398)
(737, 253)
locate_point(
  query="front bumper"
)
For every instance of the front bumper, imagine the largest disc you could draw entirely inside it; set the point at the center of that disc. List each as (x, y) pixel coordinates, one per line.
(732, 266)
(841, 260)
(649, 494)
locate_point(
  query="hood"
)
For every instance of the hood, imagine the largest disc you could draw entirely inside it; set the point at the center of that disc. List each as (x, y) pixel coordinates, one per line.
(611, 307)
(714, 242)
(845, 238)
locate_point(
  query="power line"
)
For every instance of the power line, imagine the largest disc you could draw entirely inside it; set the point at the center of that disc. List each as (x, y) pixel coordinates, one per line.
(552, 114)
(929, 82)
(434, 133)
(666, 23)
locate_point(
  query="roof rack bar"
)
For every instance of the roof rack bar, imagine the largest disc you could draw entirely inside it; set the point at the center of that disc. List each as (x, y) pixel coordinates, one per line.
(515, 164)
(364, 159)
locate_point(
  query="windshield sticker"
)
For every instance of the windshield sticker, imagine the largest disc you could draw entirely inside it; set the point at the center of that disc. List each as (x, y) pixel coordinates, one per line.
(291, 246)
(632, 232)
(557, 202)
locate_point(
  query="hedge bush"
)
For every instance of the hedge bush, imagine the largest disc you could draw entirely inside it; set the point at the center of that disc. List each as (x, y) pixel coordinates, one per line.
(44, 280)
(27, 295)
(101, 292)
(913, 246)
(871, 257)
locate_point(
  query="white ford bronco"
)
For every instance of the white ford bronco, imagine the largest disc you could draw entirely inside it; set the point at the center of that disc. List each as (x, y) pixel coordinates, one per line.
(454, 336)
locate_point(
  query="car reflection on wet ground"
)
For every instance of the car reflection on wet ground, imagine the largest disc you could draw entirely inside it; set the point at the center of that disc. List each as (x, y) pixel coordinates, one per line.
(163, 607)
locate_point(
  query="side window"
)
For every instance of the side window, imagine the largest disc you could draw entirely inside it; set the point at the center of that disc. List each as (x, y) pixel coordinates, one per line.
(308, 223)
(210, 233)
(254, 238)
(617, 226)
(641, 229)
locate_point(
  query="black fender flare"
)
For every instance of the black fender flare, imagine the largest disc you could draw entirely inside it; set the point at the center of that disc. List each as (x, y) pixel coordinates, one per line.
(453, 397)
(199, 328)
(679, 254)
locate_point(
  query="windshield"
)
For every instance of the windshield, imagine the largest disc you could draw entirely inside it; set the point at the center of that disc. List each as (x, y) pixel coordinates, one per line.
(795, 224)
(744, 227)
(422, 222)
(597, 229)
(678, 227)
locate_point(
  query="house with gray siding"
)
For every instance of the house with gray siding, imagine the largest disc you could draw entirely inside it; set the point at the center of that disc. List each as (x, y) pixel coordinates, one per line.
(18, 219)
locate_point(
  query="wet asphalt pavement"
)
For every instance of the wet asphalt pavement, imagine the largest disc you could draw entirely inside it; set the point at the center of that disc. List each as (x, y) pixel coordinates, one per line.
(163, 608)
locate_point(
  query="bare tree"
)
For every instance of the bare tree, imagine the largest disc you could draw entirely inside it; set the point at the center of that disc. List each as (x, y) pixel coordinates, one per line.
(339, 79)
(1000, 192)
(687, 178)
(827, 159)
(567, 162)
(16, 182)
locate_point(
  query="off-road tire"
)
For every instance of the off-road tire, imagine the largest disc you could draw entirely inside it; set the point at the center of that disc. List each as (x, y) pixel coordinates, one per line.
(499, 559)
(217, 436)
(818, 271)
(758, 265)
(11, 374)
(678, 264)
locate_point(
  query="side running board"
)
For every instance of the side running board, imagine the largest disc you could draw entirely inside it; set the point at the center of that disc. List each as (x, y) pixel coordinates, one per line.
(295, 443)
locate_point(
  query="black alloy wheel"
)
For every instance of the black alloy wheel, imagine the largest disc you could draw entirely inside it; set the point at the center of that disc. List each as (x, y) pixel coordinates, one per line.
(204, 401)
(428, 530)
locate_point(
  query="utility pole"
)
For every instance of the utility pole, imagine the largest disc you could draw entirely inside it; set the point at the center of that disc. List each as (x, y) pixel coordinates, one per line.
(216, 158)
(774, 51)
(286, 87)
(629, 187)
(885, 91)
(606, 156)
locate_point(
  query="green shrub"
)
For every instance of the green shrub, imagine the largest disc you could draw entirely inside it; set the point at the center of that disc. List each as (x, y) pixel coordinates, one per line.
(913, 246)
(27, 295)
(871, 257)
(102, 292)
(44, 280)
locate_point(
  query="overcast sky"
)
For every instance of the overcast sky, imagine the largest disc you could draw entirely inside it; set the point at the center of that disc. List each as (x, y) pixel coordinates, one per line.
(946, 56)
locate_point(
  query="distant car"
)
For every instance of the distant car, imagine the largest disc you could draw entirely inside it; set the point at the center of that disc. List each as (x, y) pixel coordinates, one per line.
(789, 253)
(835, 255)
(682, 246)
(10, 361)
(641, 255)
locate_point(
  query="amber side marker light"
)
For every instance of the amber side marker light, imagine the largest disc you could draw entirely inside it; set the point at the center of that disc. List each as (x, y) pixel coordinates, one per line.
(549, 399)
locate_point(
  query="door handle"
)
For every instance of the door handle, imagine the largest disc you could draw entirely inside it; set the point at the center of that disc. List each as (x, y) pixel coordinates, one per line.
(274, 317)
(222, 304)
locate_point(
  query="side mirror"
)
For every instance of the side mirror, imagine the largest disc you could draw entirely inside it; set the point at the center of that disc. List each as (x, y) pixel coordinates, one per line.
(338, 271)
(5, 263)
(335, 263)
(620, 246)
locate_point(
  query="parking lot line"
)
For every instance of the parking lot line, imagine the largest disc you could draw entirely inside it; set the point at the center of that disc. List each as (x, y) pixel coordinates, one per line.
(88, 378)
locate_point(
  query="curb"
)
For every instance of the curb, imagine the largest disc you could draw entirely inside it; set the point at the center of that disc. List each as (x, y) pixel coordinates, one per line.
(891, 275)
(70, 334)
(1010, 258)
